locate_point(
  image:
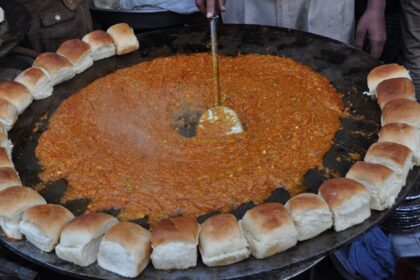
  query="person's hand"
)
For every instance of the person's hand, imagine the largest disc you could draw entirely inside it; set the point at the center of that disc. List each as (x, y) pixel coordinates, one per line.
(371, 26)
(209, 7)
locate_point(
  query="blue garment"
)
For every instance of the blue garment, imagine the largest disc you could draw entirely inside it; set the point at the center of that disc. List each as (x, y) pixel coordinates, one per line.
(370, 256)
(177, 6)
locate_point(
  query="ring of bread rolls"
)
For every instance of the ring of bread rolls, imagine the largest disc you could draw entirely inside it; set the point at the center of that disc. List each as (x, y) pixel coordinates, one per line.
(265, 230)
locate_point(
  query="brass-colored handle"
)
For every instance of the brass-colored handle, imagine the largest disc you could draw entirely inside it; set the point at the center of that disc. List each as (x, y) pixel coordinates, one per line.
(215, 59)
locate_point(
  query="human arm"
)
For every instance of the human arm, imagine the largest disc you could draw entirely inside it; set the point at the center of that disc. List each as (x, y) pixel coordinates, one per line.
(371, 26)
(209, 7)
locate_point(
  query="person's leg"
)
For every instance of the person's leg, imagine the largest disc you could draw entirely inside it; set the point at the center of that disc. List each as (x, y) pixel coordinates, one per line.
(410, 11)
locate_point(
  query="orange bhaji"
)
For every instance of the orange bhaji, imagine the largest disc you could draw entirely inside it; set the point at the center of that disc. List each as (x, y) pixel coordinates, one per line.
(117, 141)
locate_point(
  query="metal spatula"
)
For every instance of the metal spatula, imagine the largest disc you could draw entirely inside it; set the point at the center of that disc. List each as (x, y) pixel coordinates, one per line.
(218, 120)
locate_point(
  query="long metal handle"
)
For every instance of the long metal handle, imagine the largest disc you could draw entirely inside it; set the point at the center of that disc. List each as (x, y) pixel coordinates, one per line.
(215, 59)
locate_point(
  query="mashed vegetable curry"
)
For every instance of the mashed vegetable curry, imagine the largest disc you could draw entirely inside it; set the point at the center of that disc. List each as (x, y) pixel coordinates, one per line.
(119, 142)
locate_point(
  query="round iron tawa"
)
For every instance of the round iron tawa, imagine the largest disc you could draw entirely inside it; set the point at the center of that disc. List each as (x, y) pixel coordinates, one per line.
(344, 66)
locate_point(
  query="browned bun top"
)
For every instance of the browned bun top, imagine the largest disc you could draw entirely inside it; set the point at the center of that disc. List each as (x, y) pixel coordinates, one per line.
(306, 202)
(49, 218)
(52, 62)
(395, 88)
(74, 49)
(13, 199)
(386, 71)
(4, 159)
(123, 30)
(127, 234)
(12, 89)
(88, 222)
(7, 110)
(268, 216)
(337, 191)
(394, 151)
(184, 229)
(401, 133)
(401, 110)
(97, 38)
(9, 174)
(370, 172)
(31, 75)
(219, 227)
(396, 128)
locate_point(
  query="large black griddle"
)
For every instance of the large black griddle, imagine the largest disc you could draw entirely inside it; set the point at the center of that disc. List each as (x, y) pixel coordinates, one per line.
(15, 26)
(346, 68)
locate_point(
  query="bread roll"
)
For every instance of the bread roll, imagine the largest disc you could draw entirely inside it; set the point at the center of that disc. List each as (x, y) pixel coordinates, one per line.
(348, 201)
(80, 238)
(42, 225)
(381, 182)
(13, 202)
(8, 114)
(393, 155)
(402, 111)
(124, 38)
(174, 243)
(78, 53)
(403, 134)
(222, 241)
(36, 81)
(5, 161)
(310, 213)
(397, 88)
(4, 141)
(125, 250)
(385, 72)
(17, 94)
(100, 43)
(269, 230)
(8, 178)
(57, 67)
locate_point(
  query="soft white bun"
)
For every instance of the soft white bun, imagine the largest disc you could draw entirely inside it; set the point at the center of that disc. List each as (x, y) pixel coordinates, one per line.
(57, 67)
(5, 142)
(401, 111)
(403, 134)
(101, 44)
(42, 225)
(348, 201)
(393, 155)
(222, 241)
(269, 230)
(17, 94)
(385, 72)
(81, 237)
(13, 202)
(310, 213)
(125, 250)
(381, 182)
(5, 160)
(124, 38)
(78, 53)
(397, 88)
(8, 178)
(8, 114)
(37, 82)
(174, 243)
